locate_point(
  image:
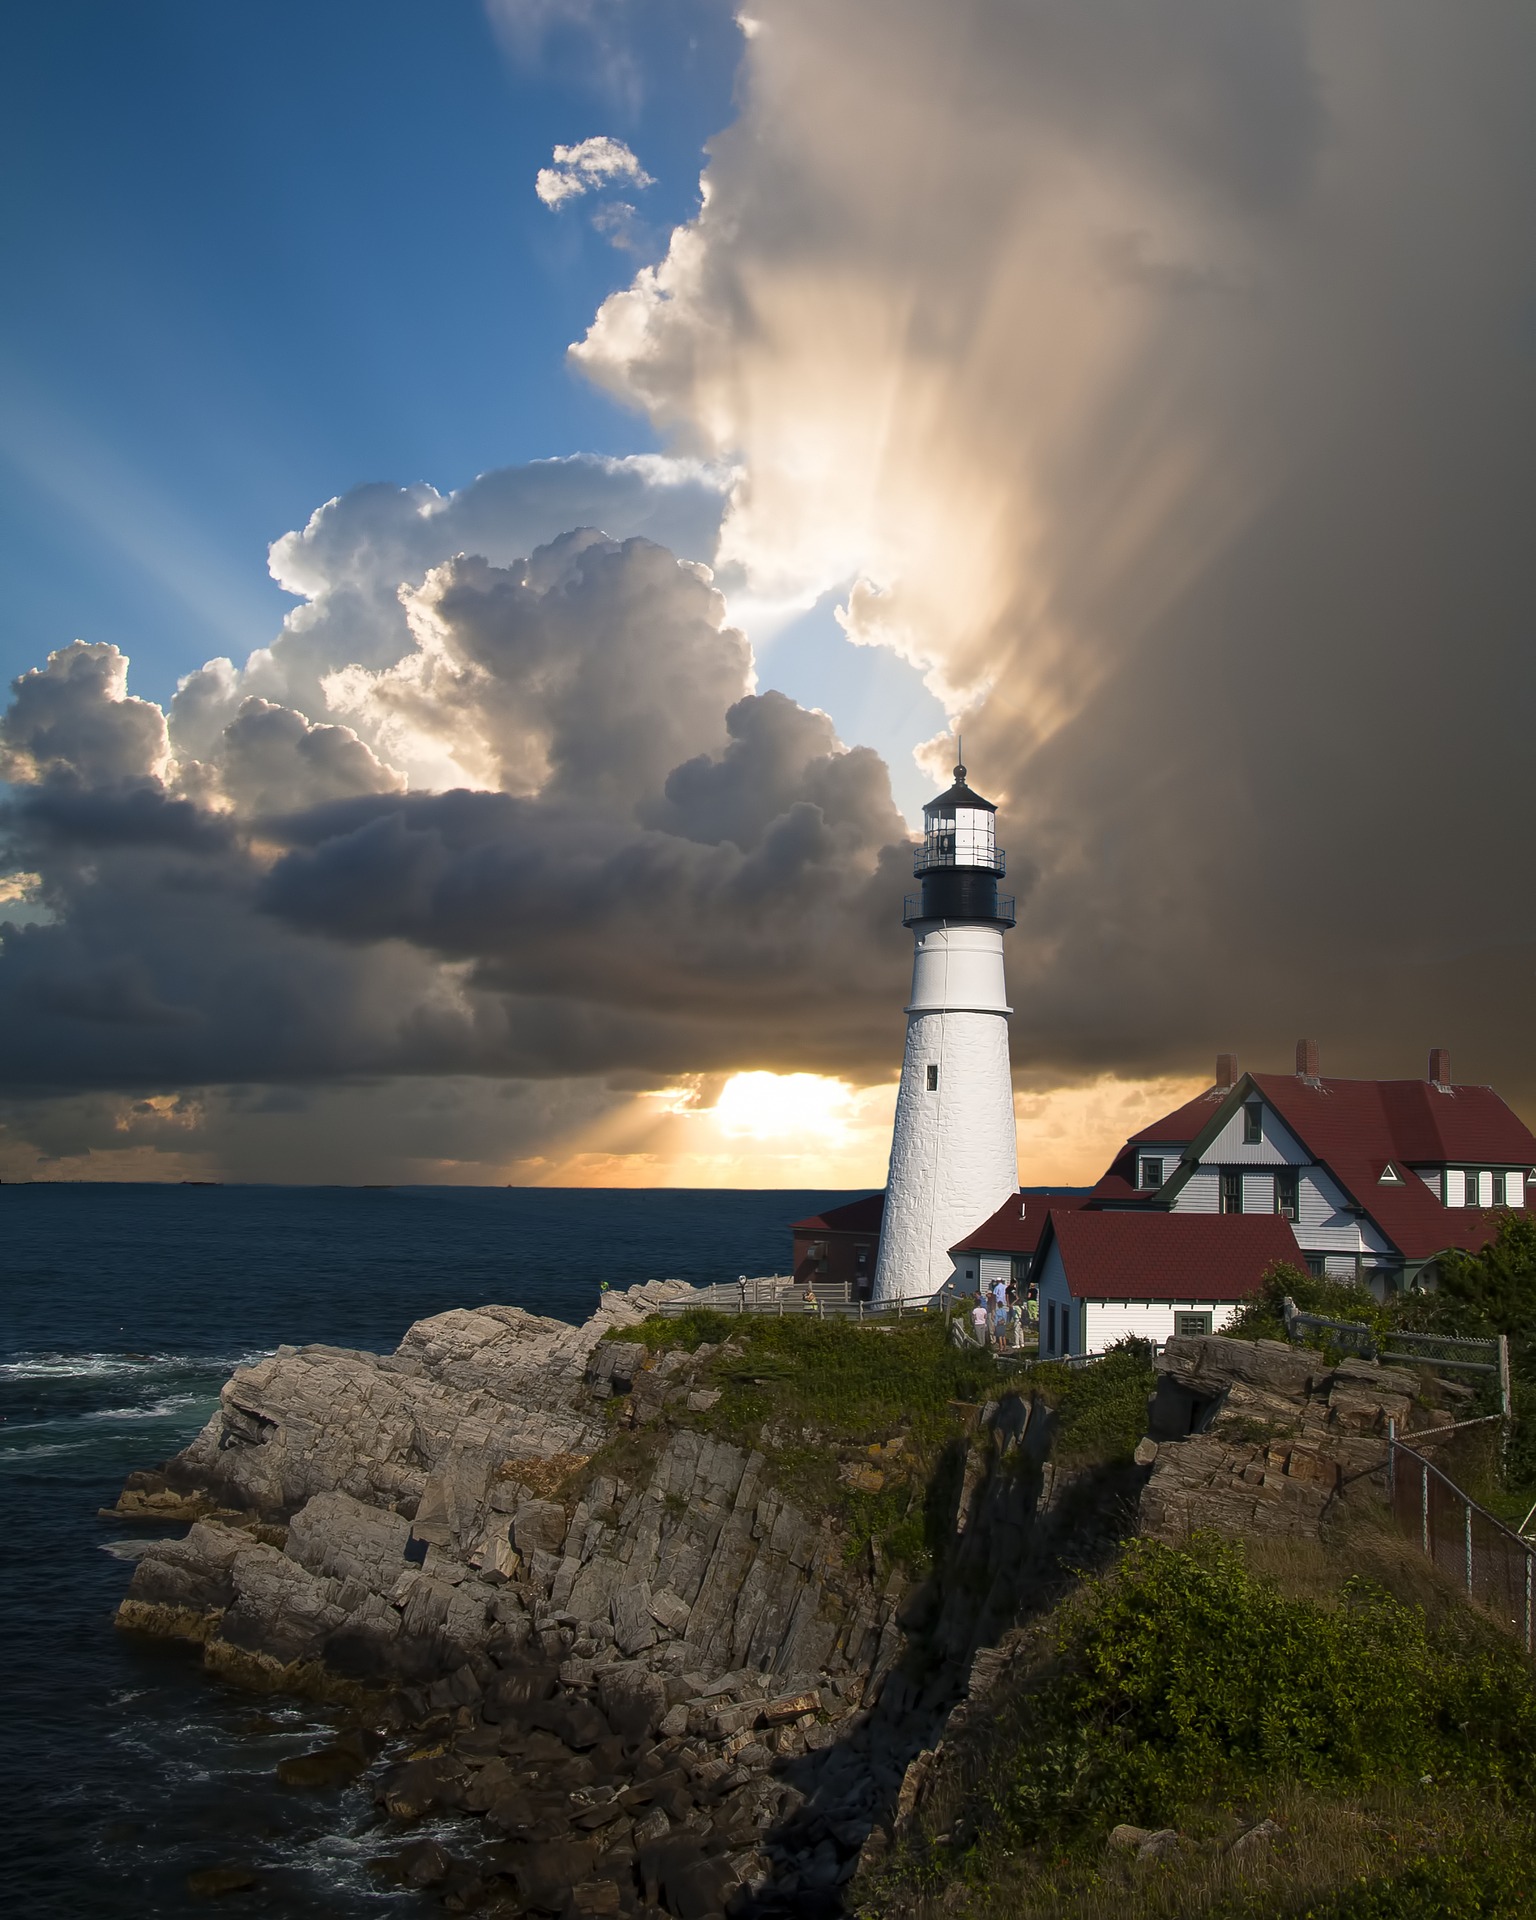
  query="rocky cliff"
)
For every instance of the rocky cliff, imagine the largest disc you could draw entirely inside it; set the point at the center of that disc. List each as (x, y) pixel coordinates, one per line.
(655, 1675)
(656, 1672)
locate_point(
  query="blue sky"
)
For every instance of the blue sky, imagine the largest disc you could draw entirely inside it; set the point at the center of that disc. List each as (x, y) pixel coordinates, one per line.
(263, 253)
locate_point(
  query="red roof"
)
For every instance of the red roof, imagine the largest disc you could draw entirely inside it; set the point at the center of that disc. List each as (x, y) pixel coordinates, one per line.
(1178, 1128)
(1356, 1127)
(854, 1216)
(1017, 1225)
(1132, 1255)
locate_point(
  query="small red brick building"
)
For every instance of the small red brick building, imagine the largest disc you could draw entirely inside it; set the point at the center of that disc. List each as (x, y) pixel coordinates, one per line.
(840, 1245)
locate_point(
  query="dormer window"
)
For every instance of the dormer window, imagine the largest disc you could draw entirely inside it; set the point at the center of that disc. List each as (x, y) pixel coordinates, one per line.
(1253, 1124)
(1499, 1189)
(1390, 1177)
(1151, 1174)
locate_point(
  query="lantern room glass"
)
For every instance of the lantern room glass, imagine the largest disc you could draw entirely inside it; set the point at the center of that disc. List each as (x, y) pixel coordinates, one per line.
(963, 837)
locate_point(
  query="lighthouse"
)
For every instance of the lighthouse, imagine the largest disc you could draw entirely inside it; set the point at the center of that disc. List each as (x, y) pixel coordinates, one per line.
(954, 1152)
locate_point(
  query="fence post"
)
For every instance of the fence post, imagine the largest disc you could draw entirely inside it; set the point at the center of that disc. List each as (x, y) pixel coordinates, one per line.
(1424, 1504)
(1527, 1601)
(1504, 1373)
(1468, 1505)
(1391, 1463)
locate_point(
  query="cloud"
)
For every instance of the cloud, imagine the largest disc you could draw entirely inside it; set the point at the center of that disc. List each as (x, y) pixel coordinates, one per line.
(650, 868)
(1168, 382)
(591, 166)
(350, 562)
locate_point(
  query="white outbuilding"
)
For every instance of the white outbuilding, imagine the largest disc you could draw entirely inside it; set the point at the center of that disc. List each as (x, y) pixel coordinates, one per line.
(1111, 1276)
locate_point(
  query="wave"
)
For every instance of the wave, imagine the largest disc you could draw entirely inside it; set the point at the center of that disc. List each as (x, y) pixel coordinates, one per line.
(103, 1366)
(162, 1409)
(8, 1454)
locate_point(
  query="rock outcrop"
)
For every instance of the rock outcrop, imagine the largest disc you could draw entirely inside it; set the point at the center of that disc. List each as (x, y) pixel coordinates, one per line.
(1278, 1437)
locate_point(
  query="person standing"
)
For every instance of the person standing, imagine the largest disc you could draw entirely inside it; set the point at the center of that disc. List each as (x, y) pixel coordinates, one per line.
(979, 1320)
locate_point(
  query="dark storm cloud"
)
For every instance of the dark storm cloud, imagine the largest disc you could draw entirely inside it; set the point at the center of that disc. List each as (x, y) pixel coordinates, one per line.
(1170, 375)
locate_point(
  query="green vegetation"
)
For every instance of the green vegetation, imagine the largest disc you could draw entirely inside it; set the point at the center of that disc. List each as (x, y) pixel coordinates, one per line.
(1101, 1411)
(867, 1424)
(1263, 1318)
(1394, 1744)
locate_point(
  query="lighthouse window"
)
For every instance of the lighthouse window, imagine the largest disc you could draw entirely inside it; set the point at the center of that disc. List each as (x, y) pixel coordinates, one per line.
(933, 1077)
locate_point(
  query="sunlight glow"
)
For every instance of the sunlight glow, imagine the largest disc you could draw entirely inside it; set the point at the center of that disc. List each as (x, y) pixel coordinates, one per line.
(780, 1106)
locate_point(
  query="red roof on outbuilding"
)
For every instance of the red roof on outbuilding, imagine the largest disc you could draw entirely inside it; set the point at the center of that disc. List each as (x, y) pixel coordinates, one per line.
(1017, 1225)
(853, 1216)
(1131, 1255)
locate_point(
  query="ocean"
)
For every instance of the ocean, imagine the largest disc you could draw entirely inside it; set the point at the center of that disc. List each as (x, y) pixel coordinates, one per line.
(122, 1311)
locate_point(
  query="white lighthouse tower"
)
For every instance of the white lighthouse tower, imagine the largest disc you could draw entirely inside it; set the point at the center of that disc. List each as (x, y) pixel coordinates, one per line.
(954, 1151)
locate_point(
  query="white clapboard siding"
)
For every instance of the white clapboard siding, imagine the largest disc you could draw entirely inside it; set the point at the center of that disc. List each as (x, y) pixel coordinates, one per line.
(1431, 1178)
(1112, 1320)
(1455, 1187)
(1201, 1192)
(1485, 1189)
(1278, 1148)
(1514, 1189)
(1258, 1193)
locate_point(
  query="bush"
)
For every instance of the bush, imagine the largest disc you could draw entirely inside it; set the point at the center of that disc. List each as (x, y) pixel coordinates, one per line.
(1184, 1675)
(1263, 1316)
(1101, 1410)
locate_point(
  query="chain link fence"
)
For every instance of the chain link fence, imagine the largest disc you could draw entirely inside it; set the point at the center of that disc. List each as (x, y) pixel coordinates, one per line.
(1489, 1561)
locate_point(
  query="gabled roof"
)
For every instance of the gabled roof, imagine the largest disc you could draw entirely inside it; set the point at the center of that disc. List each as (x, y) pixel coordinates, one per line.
(1118, 1186)
(1017, 1225)
(1355, 1128)
(1178, 1128)
(853, 1216)
(1134, 1255)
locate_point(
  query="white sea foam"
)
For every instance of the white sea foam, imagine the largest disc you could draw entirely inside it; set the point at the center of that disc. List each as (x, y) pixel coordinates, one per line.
(128, 1549)
(101, 1366)
(161, 1409)
(9, 1454)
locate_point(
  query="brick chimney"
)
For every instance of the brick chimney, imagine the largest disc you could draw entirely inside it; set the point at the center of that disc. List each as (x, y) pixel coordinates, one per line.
(1307, 1060)
(1226, 1071)
(1440, 1066)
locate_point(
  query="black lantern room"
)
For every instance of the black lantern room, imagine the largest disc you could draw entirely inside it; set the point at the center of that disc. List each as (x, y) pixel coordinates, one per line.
(959, 862)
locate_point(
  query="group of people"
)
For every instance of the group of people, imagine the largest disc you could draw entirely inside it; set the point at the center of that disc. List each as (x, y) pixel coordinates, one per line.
(1001, 1315)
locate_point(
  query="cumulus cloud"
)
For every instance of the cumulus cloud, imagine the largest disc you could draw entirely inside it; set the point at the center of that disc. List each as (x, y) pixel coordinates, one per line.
(590, 166)
(1167, 381)
(653, 869)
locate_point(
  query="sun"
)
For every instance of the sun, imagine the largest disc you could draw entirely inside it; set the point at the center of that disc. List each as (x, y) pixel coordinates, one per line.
(782, 1106)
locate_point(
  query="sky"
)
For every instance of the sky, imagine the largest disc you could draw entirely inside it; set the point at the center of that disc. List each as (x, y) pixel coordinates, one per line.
(505, 504)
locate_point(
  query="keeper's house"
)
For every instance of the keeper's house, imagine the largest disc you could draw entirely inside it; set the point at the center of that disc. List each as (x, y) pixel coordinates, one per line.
(1121, 1275)
(1376, 1178)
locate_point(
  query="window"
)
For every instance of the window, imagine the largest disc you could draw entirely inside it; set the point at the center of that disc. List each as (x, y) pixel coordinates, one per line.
(1316, 1265)
(1232, 1191)
(1253, 1124)
(1287, 1192)
(1151, 1170)
(1050, 1324)
(863, 1256)
(1498, 1189)
(933, 1076)
(1189, 1326)
(1472, 1179)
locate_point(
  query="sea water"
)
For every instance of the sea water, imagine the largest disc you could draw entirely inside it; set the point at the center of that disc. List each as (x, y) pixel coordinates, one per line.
(122, 1311)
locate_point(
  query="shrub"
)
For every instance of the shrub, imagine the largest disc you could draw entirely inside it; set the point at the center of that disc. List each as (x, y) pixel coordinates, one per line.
(1184, 1675)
